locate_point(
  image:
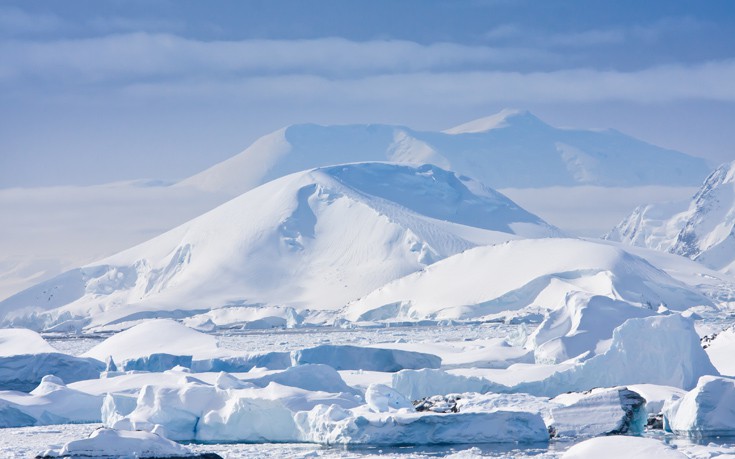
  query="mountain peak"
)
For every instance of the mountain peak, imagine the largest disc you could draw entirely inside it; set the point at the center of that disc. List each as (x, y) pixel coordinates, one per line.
(725, 173)
(504, 118)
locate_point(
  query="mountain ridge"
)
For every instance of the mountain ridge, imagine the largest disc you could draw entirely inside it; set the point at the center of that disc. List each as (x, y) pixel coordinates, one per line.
(513, 149)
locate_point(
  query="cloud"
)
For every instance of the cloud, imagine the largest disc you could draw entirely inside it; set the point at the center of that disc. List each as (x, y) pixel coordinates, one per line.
(711, 81)
(110, 24)
(142, 55)
(619, 35)
(504, 31)
(167, 67)
(16, 22)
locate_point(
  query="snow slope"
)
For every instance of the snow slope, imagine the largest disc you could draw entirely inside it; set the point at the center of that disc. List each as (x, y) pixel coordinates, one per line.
(703, 231)
(517, 274)
(510, 149)
(315, 239)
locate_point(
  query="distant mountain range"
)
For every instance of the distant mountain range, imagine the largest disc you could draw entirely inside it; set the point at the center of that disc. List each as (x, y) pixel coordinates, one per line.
(702, 229)
(510, 149)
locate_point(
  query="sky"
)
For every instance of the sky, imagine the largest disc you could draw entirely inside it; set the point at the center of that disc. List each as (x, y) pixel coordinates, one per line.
(94, 92)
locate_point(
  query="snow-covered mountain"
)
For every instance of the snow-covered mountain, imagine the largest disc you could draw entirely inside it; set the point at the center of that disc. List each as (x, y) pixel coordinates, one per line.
(703, 231)
(510, 149)
(74, 226)
(546, 273)
(315, 239)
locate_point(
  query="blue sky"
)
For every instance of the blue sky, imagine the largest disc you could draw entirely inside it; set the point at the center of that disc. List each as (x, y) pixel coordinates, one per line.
(93, 92)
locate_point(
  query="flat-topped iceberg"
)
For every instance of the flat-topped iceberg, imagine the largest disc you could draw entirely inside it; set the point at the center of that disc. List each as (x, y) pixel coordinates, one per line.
(334, 425)
(25, 358)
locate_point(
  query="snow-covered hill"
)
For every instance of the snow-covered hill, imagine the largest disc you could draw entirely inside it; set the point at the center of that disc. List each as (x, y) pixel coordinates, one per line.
(314, 239)
(510, 149)
(544, 273)
(703, 231)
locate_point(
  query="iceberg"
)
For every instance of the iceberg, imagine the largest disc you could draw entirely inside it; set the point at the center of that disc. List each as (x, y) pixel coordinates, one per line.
(345, 357)
(581, 327)
(52, 402)
(660, 350)
(334, 425)
(110, 443)
(616, 410)
(708, 410)
(25, 358)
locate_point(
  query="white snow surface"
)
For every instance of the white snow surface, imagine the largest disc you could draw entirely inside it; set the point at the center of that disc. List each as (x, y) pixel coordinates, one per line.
(20, 341)
(616, 447)
(290, 242)
(490, 280)
(721, 351)
(155, 336)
